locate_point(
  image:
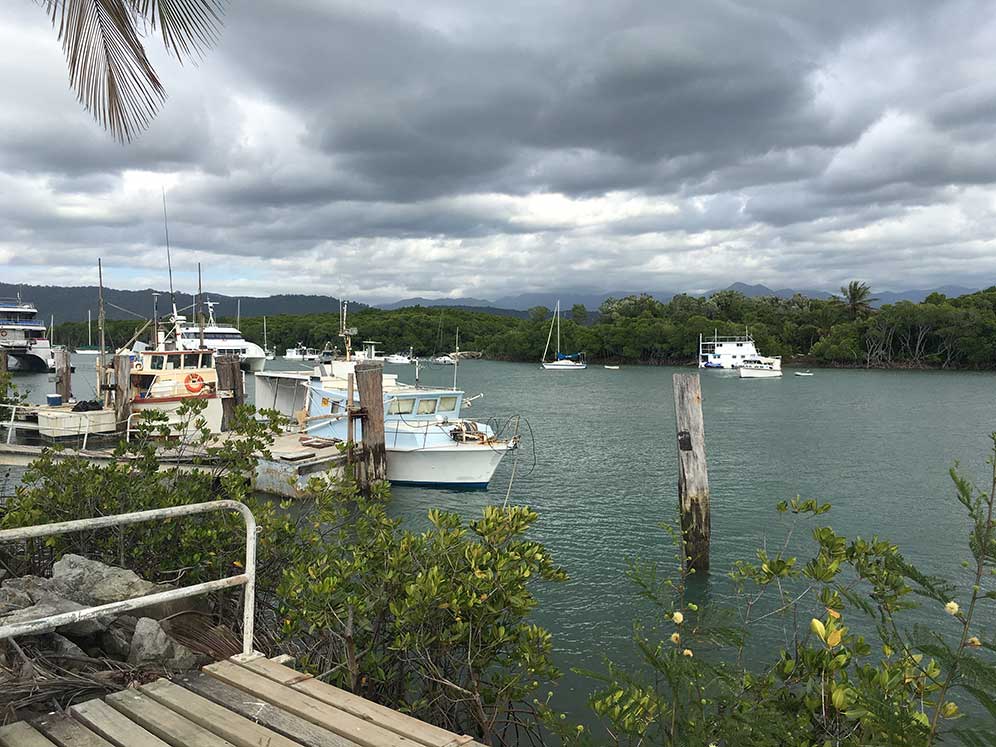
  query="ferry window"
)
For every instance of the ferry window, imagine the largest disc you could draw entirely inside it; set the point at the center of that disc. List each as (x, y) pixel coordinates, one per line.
(157, 363)
(426, 406)
(206, 360)
(190, 360)
(447, 404)
(403, 406)
(740, 344)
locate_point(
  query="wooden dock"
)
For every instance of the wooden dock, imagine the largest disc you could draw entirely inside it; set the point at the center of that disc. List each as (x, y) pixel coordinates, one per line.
(245, 701)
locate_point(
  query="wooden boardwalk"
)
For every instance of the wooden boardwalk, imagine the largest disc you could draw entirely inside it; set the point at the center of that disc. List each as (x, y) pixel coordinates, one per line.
(241, 702)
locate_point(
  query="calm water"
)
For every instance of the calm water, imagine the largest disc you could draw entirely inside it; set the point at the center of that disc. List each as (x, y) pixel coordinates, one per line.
(877, 445)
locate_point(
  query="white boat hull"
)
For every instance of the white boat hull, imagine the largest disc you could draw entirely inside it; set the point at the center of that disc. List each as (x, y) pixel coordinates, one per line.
(565, 366)
(456, 465)
(212, 414)
(759, 373)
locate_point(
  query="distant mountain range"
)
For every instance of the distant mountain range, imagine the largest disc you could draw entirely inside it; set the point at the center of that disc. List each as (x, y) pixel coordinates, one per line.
(592, 299)
(70, 303)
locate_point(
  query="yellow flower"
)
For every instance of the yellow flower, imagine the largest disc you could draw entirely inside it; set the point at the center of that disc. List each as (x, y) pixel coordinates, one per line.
(675, 638)
(951, 608)
(974, 641)
(687, 652)
(678, 618)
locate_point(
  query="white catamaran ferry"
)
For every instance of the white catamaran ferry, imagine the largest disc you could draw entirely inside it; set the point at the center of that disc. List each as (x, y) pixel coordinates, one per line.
(24, 337)
(726, 352)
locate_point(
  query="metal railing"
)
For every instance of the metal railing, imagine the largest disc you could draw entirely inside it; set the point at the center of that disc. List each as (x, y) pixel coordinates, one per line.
(247, 578)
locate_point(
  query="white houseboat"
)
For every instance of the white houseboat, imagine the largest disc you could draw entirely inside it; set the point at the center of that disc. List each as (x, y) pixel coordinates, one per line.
(726, 352)
(24, 337)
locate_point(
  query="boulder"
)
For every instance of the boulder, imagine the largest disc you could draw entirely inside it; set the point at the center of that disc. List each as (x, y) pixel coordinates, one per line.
(65, 647)
(116, 640)
(151, 645)
(92, 582)
(52, 605)
(13, 599)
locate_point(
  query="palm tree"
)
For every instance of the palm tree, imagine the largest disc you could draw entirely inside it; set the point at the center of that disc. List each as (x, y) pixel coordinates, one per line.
(857, 297)
(108, 67)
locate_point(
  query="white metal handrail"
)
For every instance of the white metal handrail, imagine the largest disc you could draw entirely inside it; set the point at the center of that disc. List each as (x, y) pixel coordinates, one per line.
(247, 578)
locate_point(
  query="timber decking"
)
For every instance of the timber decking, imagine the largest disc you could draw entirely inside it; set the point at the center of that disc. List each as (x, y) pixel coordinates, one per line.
(245, 701)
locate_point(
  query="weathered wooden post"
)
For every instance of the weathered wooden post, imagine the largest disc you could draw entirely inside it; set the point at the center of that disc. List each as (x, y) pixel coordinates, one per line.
(122, 390)
(229, 380)
(63, 375)
(370, 385)
(3, 361)
(693, 477)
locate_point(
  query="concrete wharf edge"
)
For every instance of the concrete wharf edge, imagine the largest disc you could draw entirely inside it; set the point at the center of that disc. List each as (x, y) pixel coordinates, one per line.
(245, 701)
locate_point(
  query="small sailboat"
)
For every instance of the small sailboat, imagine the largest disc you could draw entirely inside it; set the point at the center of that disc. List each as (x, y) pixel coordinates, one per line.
(562, 361)
(267, 352)
(89, 348)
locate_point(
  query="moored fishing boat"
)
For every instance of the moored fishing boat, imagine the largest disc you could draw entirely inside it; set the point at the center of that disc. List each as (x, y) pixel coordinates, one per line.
(760, 367)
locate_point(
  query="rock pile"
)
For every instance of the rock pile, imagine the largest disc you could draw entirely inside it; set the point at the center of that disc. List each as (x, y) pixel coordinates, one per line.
(78, 582)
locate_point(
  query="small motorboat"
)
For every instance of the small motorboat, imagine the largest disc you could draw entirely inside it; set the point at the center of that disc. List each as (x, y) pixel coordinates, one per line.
(612, 368)
(803, 373)
(761, 368)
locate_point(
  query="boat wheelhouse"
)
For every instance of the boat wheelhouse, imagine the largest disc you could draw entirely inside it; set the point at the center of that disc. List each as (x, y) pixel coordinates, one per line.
(301, 353)
(726, 352)
(23, 337)
(162, 380)
(221, 339)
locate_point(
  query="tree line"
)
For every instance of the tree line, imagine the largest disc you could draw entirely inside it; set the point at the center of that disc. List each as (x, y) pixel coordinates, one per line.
(844, 330)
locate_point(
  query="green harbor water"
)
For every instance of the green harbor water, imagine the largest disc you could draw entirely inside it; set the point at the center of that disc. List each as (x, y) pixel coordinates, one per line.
(598, 463)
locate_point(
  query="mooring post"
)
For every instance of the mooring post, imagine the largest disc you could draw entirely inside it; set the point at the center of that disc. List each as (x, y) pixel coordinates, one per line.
(370, 385)
(3, 361)
(229, 380)
(63, 377)
(122, 390)
(350, 416)
(693, 476)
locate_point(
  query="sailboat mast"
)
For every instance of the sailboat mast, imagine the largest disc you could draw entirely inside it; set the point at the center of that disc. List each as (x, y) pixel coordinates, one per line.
(89, 330)
(548, 336)
(456, 359)
(101, 318)
(558, 329)
(200, 305)
(238, 313)
(266, 348)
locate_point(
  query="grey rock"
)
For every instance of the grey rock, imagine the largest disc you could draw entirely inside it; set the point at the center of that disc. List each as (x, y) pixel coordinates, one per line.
(92, 582)
(13, 599)
(116, 640)
(151, 645)
(66, 647)
(48, 606)
(37, 588)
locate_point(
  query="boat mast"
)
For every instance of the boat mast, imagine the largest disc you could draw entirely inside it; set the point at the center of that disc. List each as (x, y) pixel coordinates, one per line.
(557, 312)
(200, 305)
(266, 348)
(101, 318)
(456, 359)
(238, 312)
(548, 336)
(89, 330)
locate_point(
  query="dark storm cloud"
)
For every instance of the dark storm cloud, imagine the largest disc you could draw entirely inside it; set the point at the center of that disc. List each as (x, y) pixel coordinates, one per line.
(411, 148)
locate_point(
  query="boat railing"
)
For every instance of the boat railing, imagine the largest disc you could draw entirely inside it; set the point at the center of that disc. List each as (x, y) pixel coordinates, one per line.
(22, 323)
(246, 579)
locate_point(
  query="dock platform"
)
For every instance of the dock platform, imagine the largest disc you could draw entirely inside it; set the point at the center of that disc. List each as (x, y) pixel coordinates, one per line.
(245, 701)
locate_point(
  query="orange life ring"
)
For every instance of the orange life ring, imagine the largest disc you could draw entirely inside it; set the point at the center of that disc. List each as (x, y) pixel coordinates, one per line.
(3, 333)
(194, 383)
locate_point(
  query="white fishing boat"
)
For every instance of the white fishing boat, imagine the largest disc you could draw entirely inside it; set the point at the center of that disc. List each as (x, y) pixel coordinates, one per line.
(402, 359)
(444, 360)
(222, 339)
(561, 362)
(301, 353)
(24, 337)
(760, 367)
(427, 441)
(611, 368)
(803, 373)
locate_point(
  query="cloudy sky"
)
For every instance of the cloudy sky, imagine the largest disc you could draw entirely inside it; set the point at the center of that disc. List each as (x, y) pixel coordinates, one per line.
(381, 149)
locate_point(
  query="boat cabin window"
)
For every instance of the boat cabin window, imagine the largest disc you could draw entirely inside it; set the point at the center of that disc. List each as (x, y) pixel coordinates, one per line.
(191, 360)
(447, 404)
(401, 406)
(426, 406)
(157, 363)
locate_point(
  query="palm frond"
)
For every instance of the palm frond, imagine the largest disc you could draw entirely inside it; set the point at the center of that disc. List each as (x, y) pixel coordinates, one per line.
(108, 67)
(188, 27)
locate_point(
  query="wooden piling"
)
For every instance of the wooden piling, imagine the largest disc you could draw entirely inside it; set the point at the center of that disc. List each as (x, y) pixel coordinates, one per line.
(229, 379)
(350, 416)
(63, 374)
(693, 477)
(122, 390)
(370, 385)
(3, 361)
